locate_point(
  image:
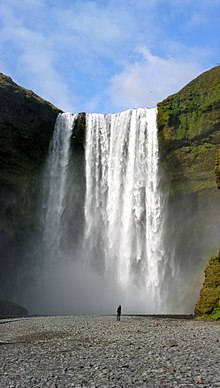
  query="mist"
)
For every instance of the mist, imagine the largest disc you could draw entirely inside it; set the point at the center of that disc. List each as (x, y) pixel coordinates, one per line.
(73, 289)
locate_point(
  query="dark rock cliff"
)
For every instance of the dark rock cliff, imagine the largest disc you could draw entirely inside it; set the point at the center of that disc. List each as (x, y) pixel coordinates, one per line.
(11, 310)
(26, 127)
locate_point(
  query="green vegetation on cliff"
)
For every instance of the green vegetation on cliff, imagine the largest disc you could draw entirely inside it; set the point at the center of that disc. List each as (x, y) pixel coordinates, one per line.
(208, 305)
(193, 112)
(189, 133)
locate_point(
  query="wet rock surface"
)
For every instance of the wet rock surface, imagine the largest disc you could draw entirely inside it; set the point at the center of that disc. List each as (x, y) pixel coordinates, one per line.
(10, 309)
(98, 351)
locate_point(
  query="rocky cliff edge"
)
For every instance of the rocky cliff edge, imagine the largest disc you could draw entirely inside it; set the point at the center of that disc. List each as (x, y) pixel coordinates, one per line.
(26, 127)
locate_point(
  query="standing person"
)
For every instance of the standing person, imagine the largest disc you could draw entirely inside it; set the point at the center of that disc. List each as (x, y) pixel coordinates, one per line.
(119, 313)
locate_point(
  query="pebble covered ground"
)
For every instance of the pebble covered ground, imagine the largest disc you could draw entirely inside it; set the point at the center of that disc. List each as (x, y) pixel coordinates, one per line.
(98, 351)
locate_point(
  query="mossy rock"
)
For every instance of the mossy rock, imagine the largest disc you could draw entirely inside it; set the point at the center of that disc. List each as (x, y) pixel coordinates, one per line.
(194, 111)
(209, 301)
(217, 167)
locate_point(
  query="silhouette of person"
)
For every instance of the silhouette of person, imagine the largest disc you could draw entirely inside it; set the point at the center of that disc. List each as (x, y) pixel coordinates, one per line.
(119, 313)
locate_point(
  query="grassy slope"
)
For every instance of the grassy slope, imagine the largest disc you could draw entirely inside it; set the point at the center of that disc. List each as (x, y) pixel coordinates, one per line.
(189, 134)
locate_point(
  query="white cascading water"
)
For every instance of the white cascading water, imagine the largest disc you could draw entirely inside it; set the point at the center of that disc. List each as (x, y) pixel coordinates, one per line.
(122, 239)
(55, 184)
(123, 215)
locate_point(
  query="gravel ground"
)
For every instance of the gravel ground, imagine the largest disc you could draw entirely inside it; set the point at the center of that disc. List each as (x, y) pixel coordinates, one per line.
(98, 351)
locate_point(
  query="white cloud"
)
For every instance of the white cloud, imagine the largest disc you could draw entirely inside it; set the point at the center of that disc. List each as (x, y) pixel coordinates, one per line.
(81, 34)
(94, 31)
(150, 80)
(45, 78)
(35, 59)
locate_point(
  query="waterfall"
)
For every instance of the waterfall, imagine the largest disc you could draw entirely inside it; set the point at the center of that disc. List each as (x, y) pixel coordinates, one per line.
(123, 216)
(55, 185)
(103, 237)
(102, 216)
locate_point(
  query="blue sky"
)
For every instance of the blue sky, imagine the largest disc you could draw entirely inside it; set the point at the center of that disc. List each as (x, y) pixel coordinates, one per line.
(107, 56)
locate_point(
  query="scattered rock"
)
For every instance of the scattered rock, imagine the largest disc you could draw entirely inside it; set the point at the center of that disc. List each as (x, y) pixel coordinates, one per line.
(172, 343)
(110, 362)
(199, 380)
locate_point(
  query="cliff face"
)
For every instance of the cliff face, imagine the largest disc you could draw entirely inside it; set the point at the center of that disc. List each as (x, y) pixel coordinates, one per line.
(208, 305)
(189, 137)
(26, 127)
